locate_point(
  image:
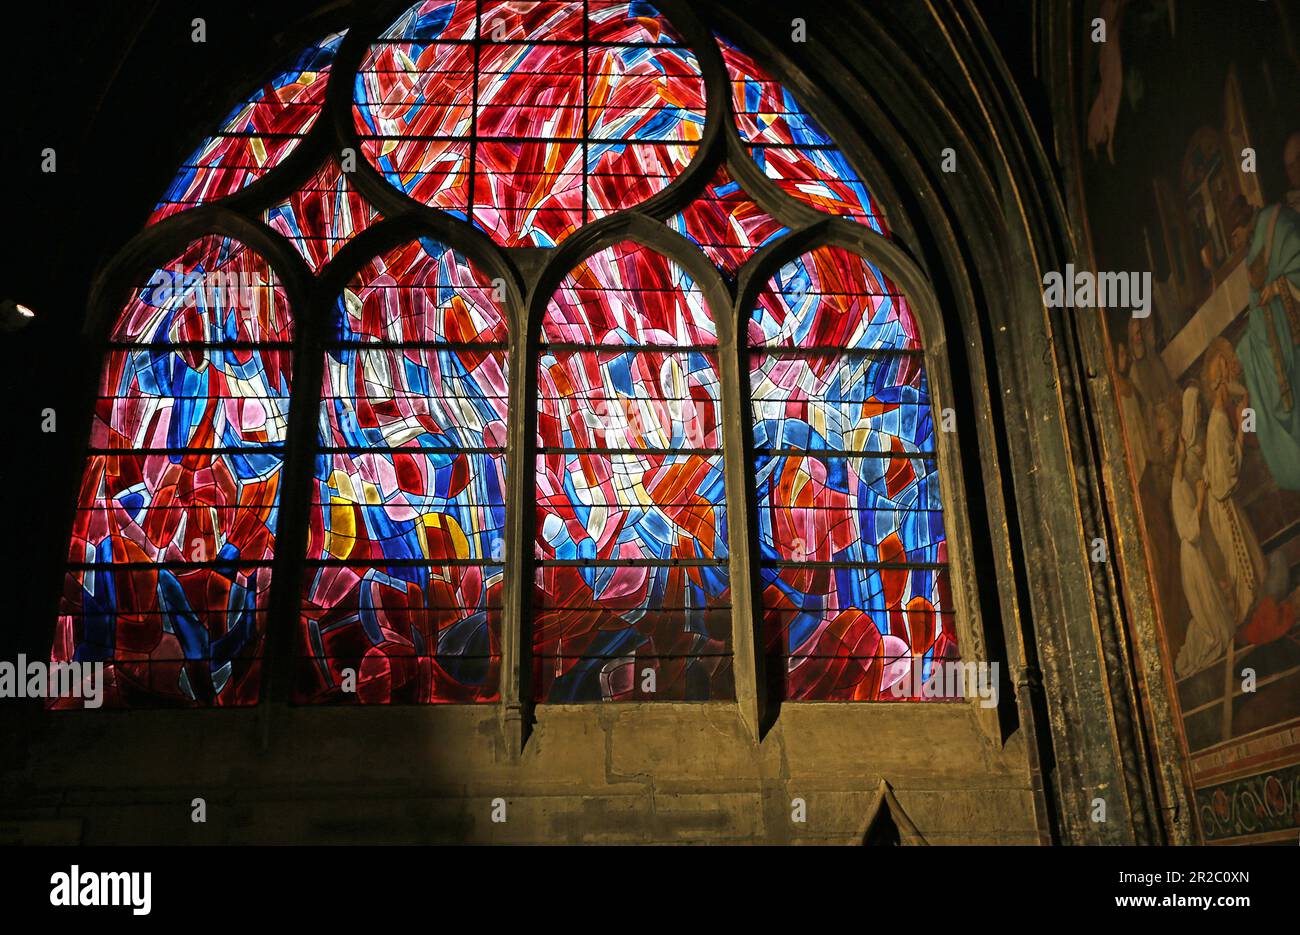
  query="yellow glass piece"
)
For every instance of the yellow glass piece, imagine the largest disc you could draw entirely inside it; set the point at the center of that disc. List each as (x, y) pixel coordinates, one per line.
(342, 535)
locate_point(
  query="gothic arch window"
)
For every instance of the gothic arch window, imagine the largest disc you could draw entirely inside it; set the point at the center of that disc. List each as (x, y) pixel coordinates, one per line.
(169, 567)
(604, 387)
(633, 597)
(404, 545)
(853, 558)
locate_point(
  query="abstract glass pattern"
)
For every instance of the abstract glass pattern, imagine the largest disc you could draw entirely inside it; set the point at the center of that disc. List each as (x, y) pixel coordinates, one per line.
(170, 560)
(726, 223)
(258, 134)
(853, 554)
(529, 119)
(404, 578)
(790, 146)
(632, 598)
(322, 216)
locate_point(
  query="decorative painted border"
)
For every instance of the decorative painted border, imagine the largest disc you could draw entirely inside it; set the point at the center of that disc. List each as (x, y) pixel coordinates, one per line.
(1263, 804)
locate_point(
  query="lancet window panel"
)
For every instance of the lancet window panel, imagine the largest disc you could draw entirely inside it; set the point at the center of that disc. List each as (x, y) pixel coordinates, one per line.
(170, 558)
(403, 590)
(853, 555)
(632, 595)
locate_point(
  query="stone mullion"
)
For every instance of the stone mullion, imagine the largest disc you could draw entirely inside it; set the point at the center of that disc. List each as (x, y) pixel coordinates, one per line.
(749, 661)
(517, 706)
(297, 473)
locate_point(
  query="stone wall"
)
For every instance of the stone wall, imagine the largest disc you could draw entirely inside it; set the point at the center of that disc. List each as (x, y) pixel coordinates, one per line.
(663, 773)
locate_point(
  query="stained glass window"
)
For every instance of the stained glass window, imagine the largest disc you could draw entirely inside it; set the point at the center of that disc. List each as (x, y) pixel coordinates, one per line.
(259, 133)
(530, 119)
(521, 121)
(633, 598)
(726, 223)
(322, 216)
(853, 555)
(170, 561)
(790, 146)
(405, 547)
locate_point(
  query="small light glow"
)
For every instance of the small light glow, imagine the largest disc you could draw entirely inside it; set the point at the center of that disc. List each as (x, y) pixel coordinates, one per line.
(26, 312)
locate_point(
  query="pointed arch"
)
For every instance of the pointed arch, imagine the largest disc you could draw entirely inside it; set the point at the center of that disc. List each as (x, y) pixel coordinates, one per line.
(173, 544)
(405, 550)
(852, 475)
(887, 824)
(632, 598)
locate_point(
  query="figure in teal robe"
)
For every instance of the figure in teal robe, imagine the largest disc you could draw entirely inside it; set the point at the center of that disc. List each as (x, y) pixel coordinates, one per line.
(1270, 358)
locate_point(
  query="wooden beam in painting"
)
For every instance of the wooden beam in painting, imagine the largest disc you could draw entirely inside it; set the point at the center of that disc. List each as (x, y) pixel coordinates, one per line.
(1225, 303)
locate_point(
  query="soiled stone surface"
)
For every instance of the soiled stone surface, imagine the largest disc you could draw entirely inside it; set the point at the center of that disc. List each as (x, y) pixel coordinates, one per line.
(671, 773)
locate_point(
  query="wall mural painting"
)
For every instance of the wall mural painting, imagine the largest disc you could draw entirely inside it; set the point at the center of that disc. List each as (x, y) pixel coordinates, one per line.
(1192, 171)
